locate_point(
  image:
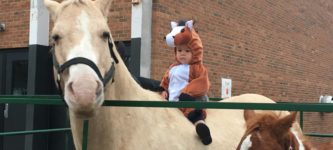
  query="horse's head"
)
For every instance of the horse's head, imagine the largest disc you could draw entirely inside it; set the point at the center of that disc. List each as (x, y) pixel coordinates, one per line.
(268, 131)
(181, 33)
(82, 59)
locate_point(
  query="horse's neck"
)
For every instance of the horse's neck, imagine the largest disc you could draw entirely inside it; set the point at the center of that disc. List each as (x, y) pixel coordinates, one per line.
(98, 126)
(125, 87)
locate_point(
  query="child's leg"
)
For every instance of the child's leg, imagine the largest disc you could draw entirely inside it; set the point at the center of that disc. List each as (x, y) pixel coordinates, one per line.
(194, 114)
(203, 132)
(197, 116)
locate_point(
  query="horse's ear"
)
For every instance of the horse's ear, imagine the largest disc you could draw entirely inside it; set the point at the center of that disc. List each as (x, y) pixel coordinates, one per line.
(286, 122)
(248, 114)
(52, 6)
(104, 6)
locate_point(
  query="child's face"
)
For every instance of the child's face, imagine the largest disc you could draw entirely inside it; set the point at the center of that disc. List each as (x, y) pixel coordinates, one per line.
(183, 54)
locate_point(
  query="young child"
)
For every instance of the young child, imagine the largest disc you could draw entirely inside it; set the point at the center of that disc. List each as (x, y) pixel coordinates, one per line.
(187, 77)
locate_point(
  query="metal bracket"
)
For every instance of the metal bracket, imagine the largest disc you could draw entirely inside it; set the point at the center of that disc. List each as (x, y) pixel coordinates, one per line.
(2, 26)
(135, 2)
(6, 110)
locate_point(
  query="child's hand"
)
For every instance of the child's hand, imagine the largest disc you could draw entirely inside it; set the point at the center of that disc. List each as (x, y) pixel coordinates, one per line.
(186, 97)
(164, 94)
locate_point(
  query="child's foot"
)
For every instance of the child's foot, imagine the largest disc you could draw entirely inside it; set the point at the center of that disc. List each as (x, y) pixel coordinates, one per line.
(203, 132)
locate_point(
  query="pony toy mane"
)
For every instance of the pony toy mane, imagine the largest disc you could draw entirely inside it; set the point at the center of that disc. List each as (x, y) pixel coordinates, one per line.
(183, 33)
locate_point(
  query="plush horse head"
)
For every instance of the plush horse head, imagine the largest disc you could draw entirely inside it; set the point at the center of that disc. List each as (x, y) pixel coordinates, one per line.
(82, 61)
(268, 131)
(183, 33)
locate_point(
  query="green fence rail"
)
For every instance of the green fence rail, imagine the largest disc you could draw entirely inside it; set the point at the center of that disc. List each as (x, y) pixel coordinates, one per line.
(34, 131)
(56, 100)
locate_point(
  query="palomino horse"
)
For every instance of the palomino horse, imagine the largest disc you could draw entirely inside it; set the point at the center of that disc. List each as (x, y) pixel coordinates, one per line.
(269, 131)
(87, 73)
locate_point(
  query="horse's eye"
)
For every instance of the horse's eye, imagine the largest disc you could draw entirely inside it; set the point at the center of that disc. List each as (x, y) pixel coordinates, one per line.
(182, 30)
(106, 35)
(256, 128)
(55, 37)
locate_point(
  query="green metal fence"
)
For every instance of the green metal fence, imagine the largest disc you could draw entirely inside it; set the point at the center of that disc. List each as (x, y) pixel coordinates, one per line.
(55, 100)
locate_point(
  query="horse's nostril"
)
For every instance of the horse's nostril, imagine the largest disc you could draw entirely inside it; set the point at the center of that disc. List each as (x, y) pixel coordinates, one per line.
(164, 38)
(173, 36)
(70, 87)
(99, 88)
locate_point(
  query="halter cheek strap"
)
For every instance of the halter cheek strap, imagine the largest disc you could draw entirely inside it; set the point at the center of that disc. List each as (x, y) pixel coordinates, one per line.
(291, 145)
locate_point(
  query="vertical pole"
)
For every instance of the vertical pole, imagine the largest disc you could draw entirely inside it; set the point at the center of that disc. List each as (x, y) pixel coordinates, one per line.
(38, 51)
(141, 38)
(67, 138)
(85, 135)
(301, 119)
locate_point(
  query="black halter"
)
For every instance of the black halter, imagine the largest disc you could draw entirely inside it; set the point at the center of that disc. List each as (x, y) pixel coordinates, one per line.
(81, 60)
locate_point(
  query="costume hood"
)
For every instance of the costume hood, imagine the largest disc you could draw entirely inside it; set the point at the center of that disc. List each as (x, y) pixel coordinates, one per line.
(184, 33)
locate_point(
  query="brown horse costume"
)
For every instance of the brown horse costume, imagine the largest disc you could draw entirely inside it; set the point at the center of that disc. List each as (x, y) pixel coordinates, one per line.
(81, 31)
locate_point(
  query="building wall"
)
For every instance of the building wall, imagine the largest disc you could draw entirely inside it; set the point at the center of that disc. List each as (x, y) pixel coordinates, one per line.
(15, 14)
(120, 20)
(280, 49)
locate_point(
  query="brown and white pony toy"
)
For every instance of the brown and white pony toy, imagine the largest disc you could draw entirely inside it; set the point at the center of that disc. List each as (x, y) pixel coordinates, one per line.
(87, 73)
(269, 131)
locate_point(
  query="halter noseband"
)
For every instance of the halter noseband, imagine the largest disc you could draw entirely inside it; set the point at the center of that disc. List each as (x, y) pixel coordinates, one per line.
(81, 60)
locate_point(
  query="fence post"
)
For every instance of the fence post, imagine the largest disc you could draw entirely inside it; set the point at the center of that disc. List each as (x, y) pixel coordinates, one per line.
(85, 135)
(301, 119)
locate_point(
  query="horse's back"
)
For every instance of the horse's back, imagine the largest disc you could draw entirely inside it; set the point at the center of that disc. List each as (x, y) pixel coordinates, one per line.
(228, 125)
(249, 98)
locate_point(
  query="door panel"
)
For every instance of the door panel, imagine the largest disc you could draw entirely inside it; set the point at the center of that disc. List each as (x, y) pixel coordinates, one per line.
(14, 82)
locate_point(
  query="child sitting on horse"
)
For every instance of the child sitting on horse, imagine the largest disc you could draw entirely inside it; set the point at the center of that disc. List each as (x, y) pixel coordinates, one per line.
(187, 78)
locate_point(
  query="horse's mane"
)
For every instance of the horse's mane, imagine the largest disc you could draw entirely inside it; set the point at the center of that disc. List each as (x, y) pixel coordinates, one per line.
(181, 22)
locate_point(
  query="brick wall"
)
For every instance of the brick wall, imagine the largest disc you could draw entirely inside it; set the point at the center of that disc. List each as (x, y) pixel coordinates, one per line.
(120, 20)
(280, 49)
(15, 14)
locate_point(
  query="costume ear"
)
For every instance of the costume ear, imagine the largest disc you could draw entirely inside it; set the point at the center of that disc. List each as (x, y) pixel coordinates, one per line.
(189, 24)
(52, 6)
(173, 24)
